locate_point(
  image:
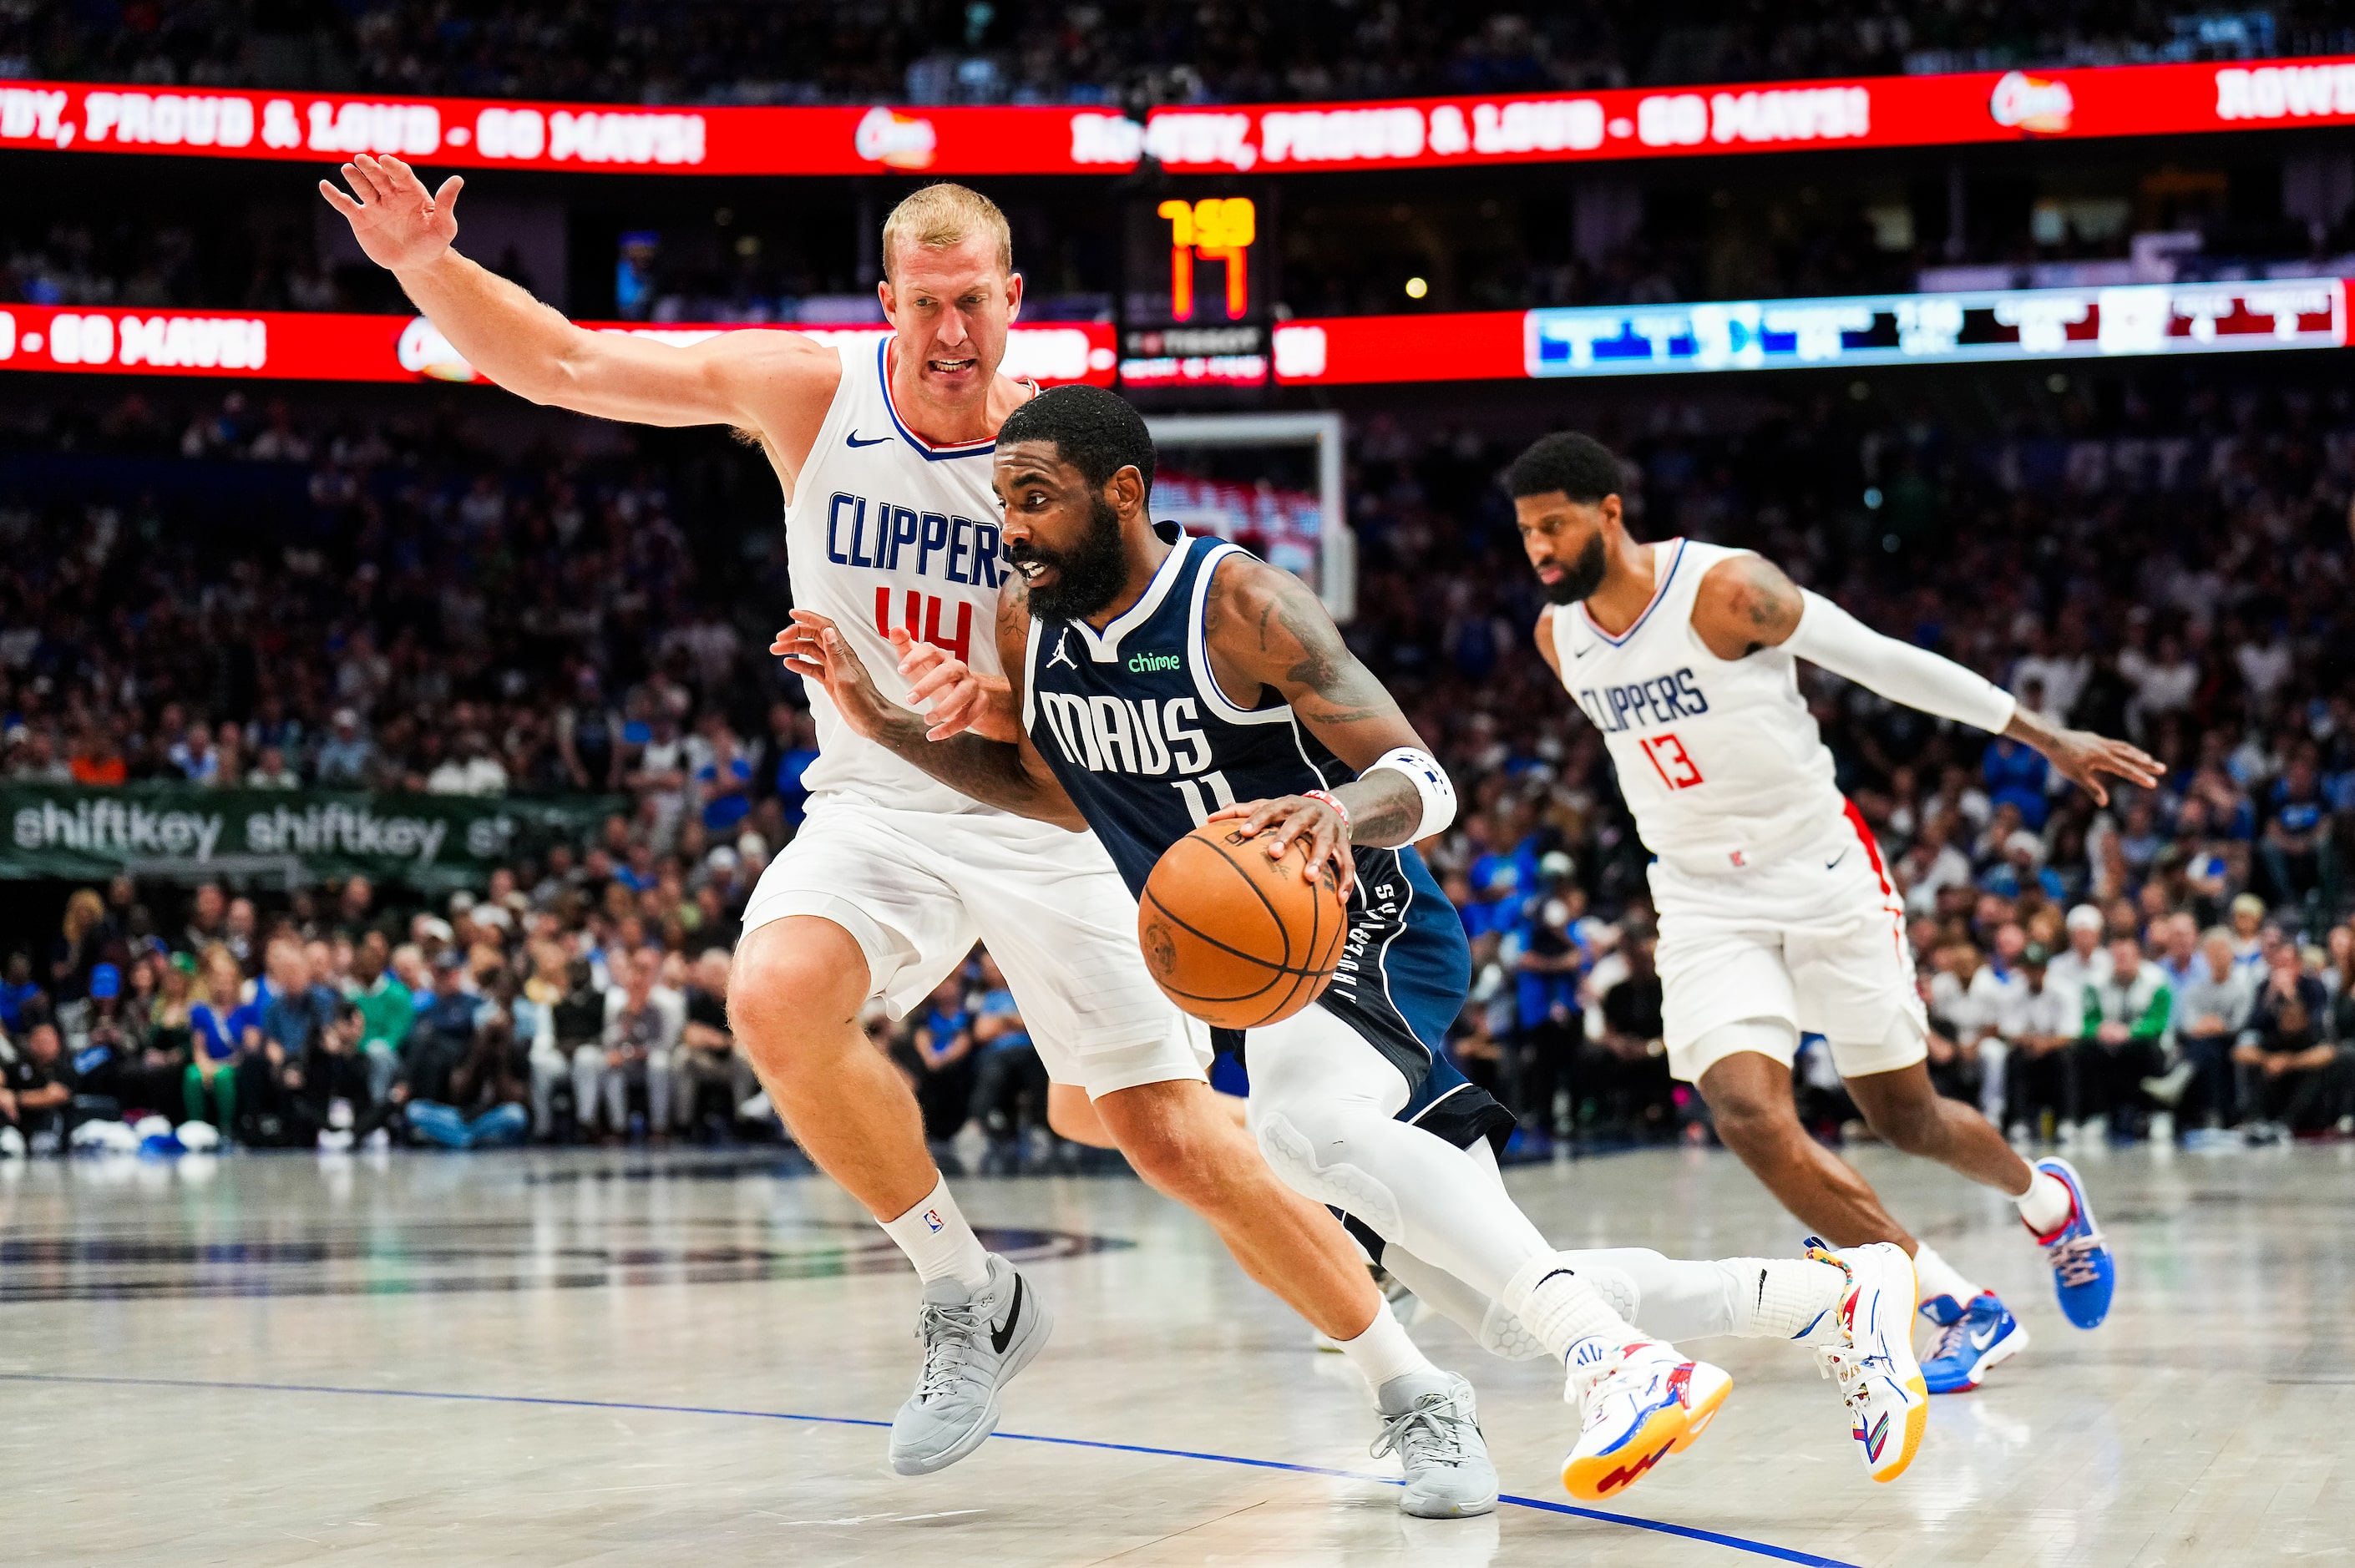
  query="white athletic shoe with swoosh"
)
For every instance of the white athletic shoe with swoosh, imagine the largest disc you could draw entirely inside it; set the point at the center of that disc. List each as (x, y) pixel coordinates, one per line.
(1880, 1380)
(974, 1341)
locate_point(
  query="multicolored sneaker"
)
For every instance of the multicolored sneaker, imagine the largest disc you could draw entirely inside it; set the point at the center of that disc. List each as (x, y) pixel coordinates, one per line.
(2083, 1273)
(1879, 1381)
(1975, 1338)
(1640, 1402)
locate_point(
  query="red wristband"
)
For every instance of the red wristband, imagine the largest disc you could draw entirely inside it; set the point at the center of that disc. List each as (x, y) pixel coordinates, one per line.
(1331, 799)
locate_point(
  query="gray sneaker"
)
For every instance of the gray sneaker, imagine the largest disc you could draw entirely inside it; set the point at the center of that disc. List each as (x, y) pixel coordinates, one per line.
(1433, 1424)
(974, 1340)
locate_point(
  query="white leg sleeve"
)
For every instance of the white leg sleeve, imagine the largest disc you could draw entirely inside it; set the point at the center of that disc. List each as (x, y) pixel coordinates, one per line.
(1322, 1104)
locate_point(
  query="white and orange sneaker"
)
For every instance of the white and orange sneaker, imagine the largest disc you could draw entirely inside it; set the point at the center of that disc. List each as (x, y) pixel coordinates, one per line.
(1640, 1402)
(1880, 1380)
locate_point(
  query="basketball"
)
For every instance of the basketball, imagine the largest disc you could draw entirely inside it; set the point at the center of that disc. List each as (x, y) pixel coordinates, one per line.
(1234, 938)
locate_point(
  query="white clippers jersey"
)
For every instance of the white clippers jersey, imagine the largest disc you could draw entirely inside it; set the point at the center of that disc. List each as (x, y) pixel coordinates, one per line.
(887, 531)
(1719, 759)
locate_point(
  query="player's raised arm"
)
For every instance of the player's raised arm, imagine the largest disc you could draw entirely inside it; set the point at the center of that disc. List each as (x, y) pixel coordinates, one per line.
(1265, 629)
(1747, 603)
(750, 379)
(1013, 778)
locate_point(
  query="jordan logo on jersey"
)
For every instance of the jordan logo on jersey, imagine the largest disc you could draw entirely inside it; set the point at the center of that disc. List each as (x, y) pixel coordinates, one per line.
(1062, 654)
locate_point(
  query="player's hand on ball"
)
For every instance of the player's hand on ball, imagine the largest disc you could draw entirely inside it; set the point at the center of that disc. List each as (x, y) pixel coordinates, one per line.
(1292, 817)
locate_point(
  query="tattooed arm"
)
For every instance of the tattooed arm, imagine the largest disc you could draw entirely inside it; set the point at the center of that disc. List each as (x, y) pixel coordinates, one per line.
(1011, 777)
(1266, 630)
(1746, 603)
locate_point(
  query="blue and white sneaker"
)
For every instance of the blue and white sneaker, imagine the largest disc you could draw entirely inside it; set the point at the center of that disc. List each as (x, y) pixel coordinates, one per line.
(1970, 1340)
(2084, 1272)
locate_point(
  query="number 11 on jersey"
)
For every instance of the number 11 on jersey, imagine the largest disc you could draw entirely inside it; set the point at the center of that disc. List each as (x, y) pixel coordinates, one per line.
(1222, 795)
(1671, 761)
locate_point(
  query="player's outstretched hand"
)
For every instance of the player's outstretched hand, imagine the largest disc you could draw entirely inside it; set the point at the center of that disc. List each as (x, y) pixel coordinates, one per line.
(944, 689)
(396, 222)
(1290, 817)
(2083, 758)
(813, 646)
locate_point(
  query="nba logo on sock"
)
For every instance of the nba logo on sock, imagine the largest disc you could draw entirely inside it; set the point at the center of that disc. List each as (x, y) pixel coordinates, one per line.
(932, 1219)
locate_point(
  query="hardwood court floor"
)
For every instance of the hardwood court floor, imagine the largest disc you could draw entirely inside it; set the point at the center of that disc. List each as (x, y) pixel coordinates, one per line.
(592, 1359)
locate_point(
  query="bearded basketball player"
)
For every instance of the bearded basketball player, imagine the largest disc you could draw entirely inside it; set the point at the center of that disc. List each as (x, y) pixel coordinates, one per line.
(1777, 914)
(884, 453)
(1151, 676)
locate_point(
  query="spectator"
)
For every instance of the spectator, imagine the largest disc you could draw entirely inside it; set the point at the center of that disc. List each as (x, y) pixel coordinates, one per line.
(328, 1102)
(2040, 1031)
(1632, 1067)
(386, 1010)
(488, 1087)
(1009, 1089)
(576, 1045)
(347, 758)
(22, 1000)
(2084, 961)
(2294, 1078)
(2214, 1002)
(472, 770)
(208, 914)
(35, 1091)
(2126, 1018)
(86, 943)
(223, 1029)
(707, 1055)
(724, 783)
(443, 1035)
(642, 1024)
(936, 1053)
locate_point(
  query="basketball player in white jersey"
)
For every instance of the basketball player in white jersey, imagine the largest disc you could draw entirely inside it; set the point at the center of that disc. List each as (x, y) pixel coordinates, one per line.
(1777, 916)
(884, 453)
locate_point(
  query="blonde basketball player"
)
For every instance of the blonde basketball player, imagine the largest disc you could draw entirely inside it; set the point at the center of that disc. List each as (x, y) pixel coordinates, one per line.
(1777, 914)
(884, 452)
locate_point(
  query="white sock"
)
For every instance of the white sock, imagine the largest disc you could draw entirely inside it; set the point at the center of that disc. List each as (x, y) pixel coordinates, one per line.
(1784, 1298)
(1934, 1276)
(1561, 1307)
(2046, 1203)
(937, 1240)
(1384, 1351)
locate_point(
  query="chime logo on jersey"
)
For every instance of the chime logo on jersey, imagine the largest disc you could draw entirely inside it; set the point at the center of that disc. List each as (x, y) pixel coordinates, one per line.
(1123, 734)
(895, 538)
(1642, 703)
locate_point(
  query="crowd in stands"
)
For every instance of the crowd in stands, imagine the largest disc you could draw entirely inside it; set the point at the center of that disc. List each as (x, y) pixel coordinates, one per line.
(2161, 554)
(561, 1005)
(1134, 53)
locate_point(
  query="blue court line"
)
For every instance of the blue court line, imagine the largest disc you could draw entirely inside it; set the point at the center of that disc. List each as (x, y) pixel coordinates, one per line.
(1736, 1542)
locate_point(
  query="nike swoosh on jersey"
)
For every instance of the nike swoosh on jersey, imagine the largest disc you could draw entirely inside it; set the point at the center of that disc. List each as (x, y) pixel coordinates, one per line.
(1002, 1337)
(870, 442)
(1584, 651)
(1836, 860)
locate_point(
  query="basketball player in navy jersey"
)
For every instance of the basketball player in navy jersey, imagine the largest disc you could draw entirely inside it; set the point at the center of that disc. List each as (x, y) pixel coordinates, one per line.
(1777, 914)
(1161, 681)
(884, 450)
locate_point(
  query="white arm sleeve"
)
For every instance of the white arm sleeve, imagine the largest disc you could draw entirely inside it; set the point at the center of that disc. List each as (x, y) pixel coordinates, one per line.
(1830, 636)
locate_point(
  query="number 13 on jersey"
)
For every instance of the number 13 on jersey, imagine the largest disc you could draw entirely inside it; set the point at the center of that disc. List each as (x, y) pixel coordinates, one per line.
(1671, 761)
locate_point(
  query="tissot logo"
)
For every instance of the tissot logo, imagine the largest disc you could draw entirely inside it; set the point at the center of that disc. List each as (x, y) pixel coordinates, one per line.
(1139, 663)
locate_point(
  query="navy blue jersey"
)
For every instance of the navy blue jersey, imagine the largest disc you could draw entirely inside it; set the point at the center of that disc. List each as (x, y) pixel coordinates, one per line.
(1134, 724)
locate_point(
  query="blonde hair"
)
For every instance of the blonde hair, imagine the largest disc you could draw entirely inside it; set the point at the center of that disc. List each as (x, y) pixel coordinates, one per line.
(84, 910)
(938, 217)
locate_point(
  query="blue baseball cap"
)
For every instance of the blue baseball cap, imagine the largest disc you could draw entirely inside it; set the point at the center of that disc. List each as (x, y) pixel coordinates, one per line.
(105, 981)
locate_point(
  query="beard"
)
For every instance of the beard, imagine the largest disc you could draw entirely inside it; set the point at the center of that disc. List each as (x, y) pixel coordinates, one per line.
(1088, 577)
(1580, 580)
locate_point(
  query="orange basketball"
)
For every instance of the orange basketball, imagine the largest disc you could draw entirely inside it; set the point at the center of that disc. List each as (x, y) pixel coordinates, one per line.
(1236, 938)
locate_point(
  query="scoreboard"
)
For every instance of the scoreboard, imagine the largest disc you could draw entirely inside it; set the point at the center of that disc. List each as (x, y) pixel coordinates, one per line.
(1199, 281)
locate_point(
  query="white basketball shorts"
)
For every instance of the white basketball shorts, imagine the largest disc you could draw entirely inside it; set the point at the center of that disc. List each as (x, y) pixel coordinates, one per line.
(1816, 940)
(917, 889)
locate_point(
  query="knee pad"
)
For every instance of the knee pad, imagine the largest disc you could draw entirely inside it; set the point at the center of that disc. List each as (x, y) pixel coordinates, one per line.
(1292, 1154)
